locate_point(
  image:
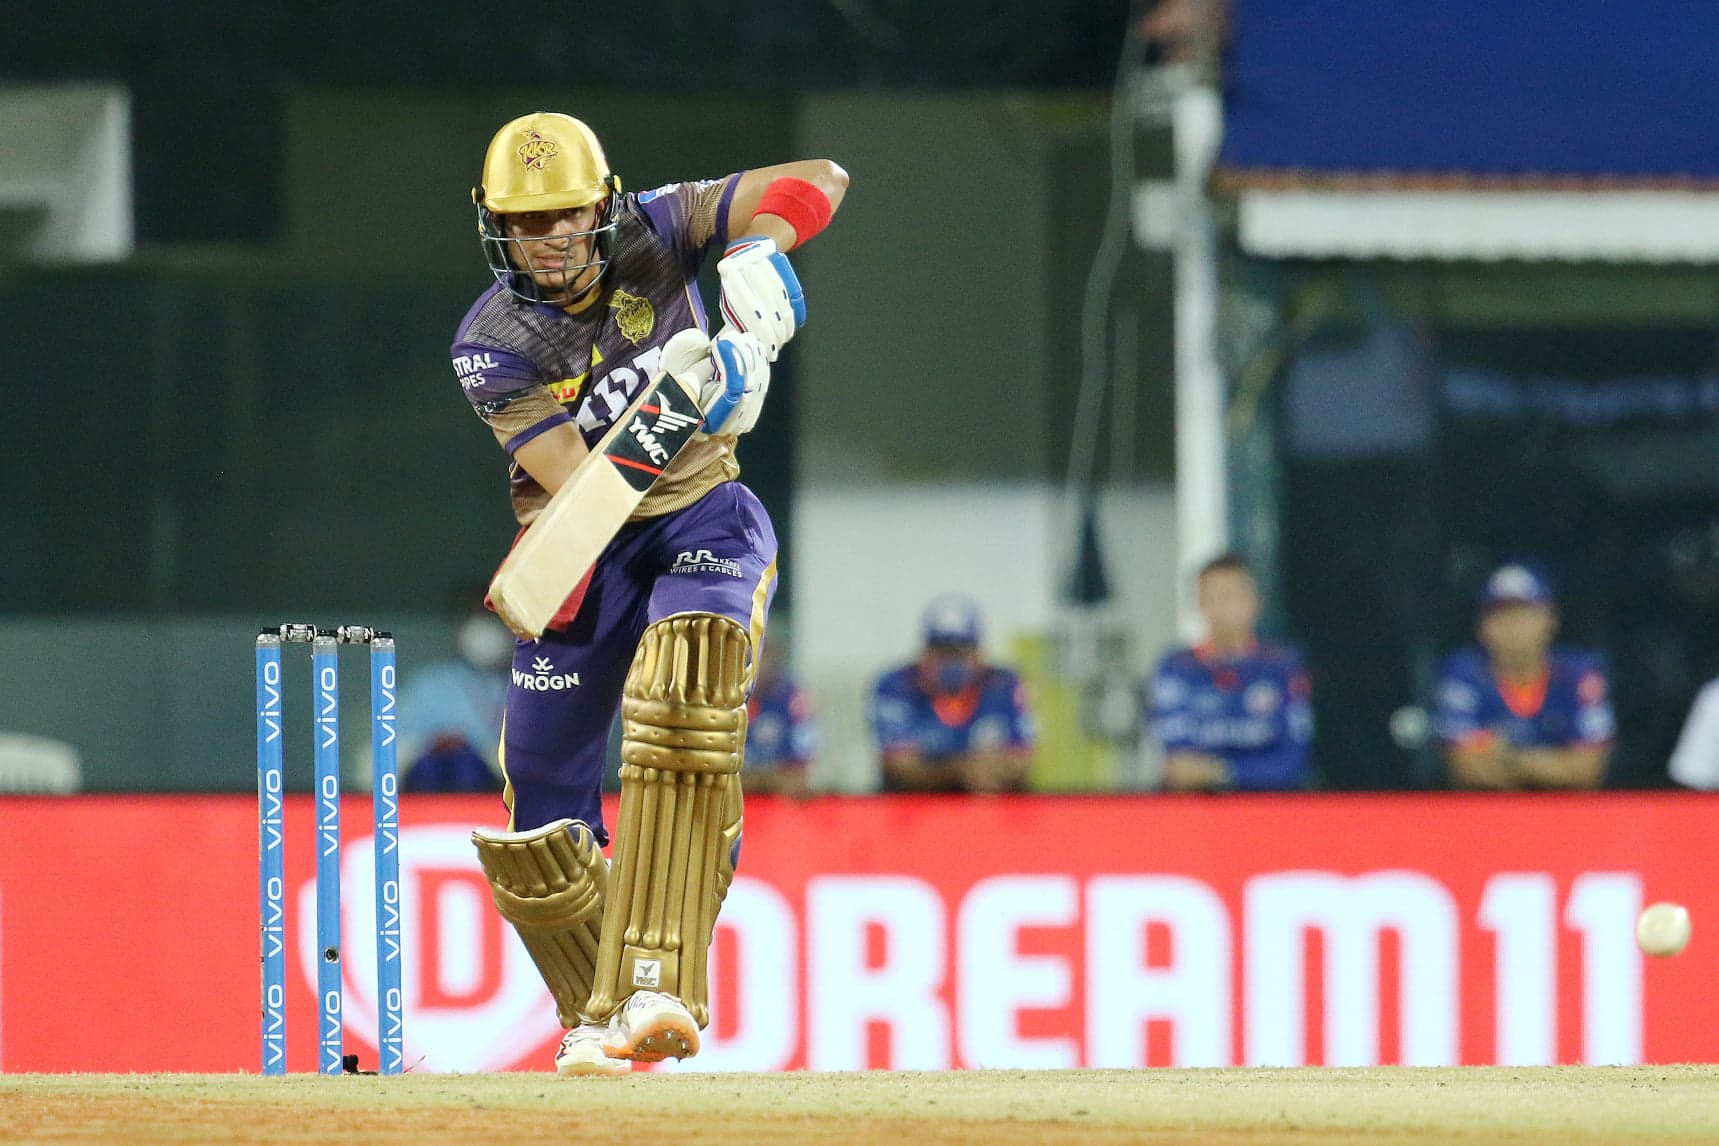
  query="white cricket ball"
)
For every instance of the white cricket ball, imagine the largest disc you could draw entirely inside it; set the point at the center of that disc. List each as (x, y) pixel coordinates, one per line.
(1663, 928)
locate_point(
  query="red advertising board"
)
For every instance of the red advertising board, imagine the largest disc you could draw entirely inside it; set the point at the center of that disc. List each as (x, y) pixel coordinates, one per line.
(921, 933)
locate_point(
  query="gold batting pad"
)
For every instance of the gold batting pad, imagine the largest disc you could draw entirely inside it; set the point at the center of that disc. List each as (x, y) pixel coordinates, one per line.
(683, 729)
(550, 884)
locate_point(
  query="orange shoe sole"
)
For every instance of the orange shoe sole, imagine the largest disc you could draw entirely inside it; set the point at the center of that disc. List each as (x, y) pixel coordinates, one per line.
(669, 1037)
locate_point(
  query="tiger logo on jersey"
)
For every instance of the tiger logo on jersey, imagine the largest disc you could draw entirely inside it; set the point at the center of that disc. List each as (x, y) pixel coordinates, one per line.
(537, 151)
(633, 315)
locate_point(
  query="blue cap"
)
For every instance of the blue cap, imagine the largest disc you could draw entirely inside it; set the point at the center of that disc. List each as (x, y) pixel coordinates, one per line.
(1515, 584)
(952, 620)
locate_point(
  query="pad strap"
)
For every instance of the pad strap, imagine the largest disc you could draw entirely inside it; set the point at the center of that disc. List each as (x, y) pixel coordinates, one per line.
(799, 203)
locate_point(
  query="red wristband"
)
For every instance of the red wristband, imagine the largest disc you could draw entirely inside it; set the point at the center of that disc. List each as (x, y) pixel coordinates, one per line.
(799, 203)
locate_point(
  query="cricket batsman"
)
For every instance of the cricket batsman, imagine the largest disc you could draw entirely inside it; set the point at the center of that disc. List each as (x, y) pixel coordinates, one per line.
(596, 296)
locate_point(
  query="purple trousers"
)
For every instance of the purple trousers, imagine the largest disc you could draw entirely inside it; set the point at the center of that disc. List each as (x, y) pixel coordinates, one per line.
(718, 555)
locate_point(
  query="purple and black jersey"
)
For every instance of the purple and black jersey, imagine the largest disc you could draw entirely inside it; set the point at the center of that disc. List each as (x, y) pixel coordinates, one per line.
(527, 367)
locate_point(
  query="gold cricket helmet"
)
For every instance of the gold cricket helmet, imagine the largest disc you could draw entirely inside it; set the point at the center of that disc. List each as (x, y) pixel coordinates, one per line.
(545, 161)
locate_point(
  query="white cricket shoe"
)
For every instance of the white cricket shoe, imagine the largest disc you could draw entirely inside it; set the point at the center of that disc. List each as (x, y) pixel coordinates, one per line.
(582, 1052)
(649, 1027)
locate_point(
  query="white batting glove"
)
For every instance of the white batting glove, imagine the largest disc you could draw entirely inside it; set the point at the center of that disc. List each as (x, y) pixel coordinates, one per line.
(687, 357)
(730, 374)
(734, 396)
(761, 294)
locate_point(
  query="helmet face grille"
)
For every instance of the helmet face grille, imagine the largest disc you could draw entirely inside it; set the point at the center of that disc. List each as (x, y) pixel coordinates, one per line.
(545, 161)
(513, 267)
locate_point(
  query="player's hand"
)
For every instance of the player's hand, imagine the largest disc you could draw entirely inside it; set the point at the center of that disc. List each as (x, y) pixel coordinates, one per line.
(687, 357)
(975, 775)
(761, 293)
(984, 773)
(734, 396)
(1196, 772)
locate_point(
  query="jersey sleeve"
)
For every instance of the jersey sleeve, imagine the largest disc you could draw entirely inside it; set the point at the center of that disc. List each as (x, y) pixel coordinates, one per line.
(1695, 760)
(1022, 731)
(892, 718)
(508, 392)
(1171, 707)
(1298, 706)
(1297, 719)
(691, 217)
(1595, 723)
(1457, 719)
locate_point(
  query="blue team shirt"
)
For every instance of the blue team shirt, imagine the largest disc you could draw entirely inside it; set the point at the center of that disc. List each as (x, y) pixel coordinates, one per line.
(1570, 707)
(990, 713)
(780, 731)
(1253, 712)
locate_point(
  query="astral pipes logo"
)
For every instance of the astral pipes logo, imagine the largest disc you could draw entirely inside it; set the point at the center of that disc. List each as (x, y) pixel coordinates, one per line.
(473, 999)
(544, 678)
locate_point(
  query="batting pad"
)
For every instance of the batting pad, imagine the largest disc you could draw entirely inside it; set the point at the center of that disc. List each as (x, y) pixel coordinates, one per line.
(550, 884)
(683, 730)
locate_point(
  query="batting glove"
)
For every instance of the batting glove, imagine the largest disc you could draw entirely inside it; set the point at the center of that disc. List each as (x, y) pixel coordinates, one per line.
(734, 396)
(761, 293)
(687, 357)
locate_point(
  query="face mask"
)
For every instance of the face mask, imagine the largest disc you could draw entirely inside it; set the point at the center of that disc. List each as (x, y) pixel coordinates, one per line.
(484, 642)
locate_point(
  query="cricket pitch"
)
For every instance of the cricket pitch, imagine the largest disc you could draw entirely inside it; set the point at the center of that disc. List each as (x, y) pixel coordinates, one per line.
(1375, 1106)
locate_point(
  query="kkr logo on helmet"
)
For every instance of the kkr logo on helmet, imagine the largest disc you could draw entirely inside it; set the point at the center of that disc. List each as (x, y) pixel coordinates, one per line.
(537, 150)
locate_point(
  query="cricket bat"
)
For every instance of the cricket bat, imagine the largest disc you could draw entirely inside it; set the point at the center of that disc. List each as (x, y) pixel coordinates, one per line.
(592, 505)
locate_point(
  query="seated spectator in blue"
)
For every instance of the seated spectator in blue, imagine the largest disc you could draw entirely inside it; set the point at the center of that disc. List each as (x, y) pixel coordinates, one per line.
(1233, 712)
(781, 736)
(451, 710)
(949, 721)
(1516, 712)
